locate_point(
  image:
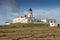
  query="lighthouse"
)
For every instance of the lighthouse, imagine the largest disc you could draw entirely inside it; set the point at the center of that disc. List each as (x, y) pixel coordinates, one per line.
(30, 15)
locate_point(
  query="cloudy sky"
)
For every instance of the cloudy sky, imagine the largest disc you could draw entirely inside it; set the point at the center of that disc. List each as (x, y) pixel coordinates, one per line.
(9, 9)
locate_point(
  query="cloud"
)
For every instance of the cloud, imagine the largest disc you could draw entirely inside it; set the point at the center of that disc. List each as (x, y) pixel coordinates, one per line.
(10, 5)
(8, 10)
(47, 13)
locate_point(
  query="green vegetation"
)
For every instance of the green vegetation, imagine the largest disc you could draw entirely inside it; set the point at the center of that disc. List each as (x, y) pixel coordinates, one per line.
(16, 25)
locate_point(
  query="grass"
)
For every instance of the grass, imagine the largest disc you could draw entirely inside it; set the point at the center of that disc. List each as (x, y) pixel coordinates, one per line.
(29, 32)
(19, 25)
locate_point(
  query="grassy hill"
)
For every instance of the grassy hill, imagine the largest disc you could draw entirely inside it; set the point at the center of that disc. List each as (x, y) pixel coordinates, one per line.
(29, 32)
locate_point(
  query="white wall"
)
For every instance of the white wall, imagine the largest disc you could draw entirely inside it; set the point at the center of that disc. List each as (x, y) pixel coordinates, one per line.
(44, 20)
(20, 20)
(48, 21)
(53, 25)
(7, 23)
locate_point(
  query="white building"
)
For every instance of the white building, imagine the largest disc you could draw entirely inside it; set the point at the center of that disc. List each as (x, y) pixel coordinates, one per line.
(51, 22)
(25, 19)
(30, 19)
(48, 21)
(53, 25)
(7, 23)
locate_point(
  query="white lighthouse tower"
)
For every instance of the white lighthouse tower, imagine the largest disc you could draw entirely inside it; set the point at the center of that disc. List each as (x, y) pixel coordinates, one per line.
(30, 15)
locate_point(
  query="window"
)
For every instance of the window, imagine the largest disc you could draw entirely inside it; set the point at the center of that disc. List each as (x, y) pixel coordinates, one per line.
(51, 21)
(52, 24)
